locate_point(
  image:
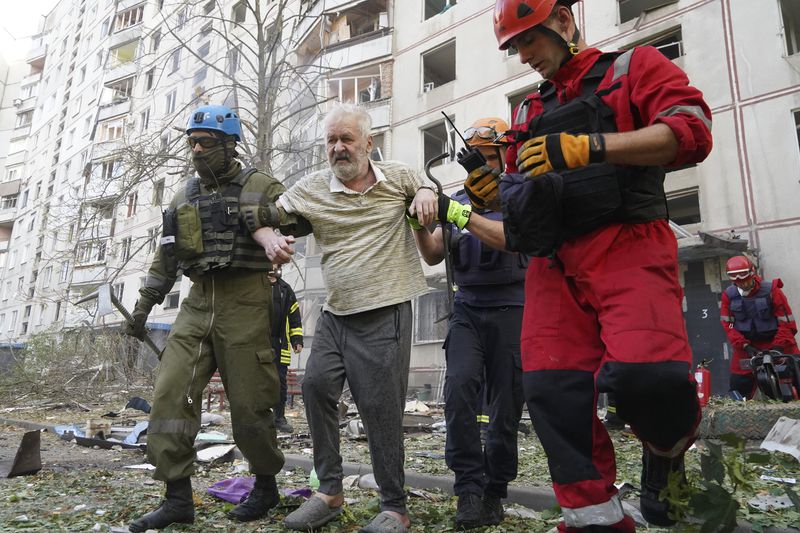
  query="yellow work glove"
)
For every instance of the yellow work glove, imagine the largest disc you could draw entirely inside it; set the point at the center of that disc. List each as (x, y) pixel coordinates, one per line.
(453, 211)
(481, 186)
(559, 151)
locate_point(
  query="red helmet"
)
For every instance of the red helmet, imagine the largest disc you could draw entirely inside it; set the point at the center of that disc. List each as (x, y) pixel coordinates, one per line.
(512, 17)
(740, 268)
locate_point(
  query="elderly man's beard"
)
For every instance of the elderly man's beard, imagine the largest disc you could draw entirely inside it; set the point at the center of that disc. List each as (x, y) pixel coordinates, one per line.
(346, 168)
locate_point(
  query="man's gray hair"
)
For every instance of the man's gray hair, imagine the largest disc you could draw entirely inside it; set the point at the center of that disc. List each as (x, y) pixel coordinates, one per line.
(339, 111)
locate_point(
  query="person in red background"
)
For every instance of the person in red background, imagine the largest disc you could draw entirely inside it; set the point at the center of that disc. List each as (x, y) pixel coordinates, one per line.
(756, 317)
(603, 301)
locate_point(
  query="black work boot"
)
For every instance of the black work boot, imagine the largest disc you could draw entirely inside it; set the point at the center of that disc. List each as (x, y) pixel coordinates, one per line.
(469, 512)
(280, 419)
(655, 476)
(177, 508)
(493, 512)
(261, 499)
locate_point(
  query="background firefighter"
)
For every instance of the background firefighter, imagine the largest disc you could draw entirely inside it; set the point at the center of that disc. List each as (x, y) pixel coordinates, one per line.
(603, 301)
(756, 316)
(287, 336)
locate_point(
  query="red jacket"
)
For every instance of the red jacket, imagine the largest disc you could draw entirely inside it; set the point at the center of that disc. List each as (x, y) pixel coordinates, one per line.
(784, 337)
(654, 90)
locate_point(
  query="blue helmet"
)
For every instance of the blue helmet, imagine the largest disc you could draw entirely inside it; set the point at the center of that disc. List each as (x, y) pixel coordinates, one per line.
(215, 118)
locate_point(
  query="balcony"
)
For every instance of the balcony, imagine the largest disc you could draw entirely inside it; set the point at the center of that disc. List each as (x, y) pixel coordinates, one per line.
(120, 71)
(380, 111)
(21, 131)
(10, 187)
(36, 55)
(358, 50)
(107, 111)
(31, 79)
(125, 35)
(25, 104)
(7, 215)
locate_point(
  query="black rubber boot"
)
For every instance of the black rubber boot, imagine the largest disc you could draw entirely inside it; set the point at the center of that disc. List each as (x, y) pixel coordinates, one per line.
(261, 499)
(469, 512)
(177, 508)
(493, 512)
(655, 476)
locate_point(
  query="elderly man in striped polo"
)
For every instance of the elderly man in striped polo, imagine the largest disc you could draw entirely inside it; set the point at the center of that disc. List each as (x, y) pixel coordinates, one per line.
(372, 271)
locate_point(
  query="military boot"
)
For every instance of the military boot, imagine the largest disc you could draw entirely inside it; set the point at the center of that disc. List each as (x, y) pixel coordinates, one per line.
(655, 476)
(177, 508)
(261, 499)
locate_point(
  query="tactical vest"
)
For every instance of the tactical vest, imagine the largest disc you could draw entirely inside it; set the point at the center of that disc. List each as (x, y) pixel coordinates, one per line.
(752, 315)
(485, 275)
(598, 194)
(226, 242)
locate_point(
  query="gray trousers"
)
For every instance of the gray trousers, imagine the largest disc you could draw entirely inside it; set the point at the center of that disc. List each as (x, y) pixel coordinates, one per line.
(372, 351)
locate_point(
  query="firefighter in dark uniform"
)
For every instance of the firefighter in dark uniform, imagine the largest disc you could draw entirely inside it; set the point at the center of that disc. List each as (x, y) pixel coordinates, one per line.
(287, 336)
(756, 317)
(584, 194)
(482, 344)
(212, 232)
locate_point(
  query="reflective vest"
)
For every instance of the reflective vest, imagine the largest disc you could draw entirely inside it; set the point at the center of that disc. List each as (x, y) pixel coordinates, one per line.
(226, 241)
(598, 194)
(486, 276)
(753, 315)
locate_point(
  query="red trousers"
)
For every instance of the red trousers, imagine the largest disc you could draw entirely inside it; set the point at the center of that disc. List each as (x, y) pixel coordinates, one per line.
(606, 316)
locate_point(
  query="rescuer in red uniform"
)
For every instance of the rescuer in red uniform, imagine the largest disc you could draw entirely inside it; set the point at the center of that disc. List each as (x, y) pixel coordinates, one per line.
(756, 317)
(603, 302)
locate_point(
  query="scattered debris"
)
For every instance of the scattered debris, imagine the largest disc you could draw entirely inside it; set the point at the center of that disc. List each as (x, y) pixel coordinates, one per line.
(138, 403)
(769, 502)
(211, 419)
(142, 466)
(138, 429)
(414, 422)
(416, 406)
(367, 481)
(28, 459)
(784, 437)
(355, 429)
(211, 436)
(216, 453)
(789, 480)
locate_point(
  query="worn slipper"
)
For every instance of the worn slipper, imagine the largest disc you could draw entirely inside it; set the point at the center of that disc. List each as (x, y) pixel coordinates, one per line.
(312, 514)
(384, 523)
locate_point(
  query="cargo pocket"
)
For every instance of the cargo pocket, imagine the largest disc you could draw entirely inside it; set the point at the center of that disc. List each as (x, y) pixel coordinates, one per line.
(266, 357)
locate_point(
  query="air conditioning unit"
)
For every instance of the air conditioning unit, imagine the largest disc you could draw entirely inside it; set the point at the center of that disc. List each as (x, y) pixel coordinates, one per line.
(428, 87)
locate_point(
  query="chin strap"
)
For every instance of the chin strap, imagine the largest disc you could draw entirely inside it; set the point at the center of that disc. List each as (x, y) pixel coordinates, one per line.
(571, 45)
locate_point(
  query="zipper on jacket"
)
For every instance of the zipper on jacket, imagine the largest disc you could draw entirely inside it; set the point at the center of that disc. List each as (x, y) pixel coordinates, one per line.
(202, 341)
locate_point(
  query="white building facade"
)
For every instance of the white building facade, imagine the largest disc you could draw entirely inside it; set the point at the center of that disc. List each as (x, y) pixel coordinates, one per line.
(106, 75)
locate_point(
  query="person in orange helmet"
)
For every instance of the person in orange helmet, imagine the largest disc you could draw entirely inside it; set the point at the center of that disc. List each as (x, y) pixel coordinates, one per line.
(482, 345)
(584, 193)
(756, 317)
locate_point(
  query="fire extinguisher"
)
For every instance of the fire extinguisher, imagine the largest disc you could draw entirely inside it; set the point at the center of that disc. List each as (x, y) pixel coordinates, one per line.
(702, 375)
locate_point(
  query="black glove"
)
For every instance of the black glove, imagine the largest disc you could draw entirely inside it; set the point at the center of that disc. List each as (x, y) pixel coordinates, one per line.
(751, 350)
(136, 329)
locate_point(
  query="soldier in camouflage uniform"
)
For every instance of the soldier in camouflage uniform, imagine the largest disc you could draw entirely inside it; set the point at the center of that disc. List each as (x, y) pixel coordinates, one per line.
(212, 232)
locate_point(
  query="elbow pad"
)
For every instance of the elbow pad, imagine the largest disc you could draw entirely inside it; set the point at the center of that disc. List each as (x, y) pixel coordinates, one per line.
(256, 217)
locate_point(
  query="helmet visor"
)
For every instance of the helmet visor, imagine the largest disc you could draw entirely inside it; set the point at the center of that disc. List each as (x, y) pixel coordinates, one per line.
(484, 132)
(737, 275)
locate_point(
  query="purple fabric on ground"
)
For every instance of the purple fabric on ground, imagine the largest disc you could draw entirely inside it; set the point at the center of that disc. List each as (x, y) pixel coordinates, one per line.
(233, 490)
